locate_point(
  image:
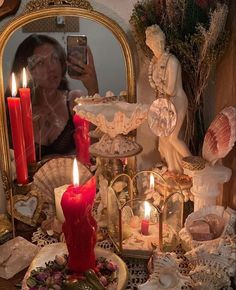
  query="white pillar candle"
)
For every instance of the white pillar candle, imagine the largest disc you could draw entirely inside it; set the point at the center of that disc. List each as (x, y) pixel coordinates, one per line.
(58, 192)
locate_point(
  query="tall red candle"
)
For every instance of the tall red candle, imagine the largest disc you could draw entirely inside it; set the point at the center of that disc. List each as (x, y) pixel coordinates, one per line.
(82, 139)
(17, 133)
(26, 109)
(80, 227)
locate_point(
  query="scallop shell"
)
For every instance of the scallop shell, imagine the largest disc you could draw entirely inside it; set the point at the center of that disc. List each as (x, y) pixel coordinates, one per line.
(220, 136)
(57, 172)
(127, 214)
(162, 117)
(118, 186)
(227, 214)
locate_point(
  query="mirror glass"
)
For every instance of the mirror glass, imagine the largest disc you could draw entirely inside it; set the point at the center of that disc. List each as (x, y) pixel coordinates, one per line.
(108, 60)
(108, 43)
(113, 63)
(106, 49)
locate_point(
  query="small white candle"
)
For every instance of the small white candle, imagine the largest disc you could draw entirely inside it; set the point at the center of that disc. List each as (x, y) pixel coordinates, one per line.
(58, 192)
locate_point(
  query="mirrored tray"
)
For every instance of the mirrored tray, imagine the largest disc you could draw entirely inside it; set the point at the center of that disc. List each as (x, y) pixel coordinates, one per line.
(49, 252)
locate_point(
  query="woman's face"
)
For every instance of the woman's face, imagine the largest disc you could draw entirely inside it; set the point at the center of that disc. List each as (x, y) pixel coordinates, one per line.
(154, 43)
(45, 67)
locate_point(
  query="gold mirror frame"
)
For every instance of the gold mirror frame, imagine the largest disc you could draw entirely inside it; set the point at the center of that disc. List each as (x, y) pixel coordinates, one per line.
(39, 9)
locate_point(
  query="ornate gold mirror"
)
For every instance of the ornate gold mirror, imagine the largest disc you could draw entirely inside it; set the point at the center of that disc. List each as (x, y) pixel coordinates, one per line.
(116, 50)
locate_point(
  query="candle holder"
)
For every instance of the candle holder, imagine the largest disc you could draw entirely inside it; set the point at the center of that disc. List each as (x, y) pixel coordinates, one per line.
(22, 189)
(140, 217)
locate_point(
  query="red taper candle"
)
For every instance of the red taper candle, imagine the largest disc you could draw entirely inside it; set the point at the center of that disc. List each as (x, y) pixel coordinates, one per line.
(26, 110)
(17, 133)
(82, 139)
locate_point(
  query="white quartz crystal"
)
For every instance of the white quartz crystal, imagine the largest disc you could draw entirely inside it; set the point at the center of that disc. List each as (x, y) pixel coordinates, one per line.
(16, 255)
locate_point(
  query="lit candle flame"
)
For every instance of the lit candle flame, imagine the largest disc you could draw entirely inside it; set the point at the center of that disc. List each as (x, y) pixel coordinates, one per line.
(24, 81)
(75, 173)
(13, 85)
(151, 181)
(147, 210)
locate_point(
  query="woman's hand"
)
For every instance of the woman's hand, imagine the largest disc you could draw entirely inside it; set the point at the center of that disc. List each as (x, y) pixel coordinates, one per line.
(86, 72)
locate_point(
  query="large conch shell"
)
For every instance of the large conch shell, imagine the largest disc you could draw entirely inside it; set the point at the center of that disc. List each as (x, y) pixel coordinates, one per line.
(55, 173)
(220, 136)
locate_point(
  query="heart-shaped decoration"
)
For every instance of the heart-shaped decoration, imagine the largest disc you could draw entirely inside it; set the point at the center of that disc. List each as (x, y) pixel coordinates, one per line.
(26, 208)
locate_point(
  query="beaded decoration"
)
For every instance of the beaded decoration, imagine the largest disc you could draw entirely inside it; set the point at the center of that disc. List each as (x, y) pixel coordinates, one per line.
(162, 63)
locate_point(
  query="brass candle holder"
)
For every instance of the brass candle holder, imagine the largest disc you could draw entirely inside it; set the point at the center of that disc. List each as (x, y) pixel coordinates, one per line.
(135, 230)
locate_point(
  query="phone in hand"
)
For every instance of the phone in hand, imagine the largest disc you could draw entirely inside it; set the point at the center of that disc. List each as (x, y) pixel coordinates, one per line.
(77, 47)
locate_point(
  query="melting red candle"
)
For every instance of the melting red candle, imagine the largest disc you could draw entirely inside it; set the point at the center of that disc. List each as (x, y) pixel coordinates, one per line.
(26, 109)
(80, 226)
(82, 139)
(145, 221)
(14, 107)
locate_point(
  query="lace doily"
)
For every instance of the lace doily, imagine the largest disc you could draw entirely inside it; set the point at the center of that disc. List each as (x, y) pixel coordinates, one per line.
(42, 239)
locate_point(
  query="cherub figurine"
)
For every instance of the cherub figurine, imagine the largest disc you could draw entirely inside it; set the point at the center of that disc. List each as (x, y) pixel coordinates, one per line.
(165, 77)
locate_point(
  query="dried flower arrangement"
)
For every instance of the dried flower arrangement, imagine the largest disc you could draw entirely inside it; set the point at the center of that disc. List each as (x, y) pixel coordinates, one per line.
(195, 33)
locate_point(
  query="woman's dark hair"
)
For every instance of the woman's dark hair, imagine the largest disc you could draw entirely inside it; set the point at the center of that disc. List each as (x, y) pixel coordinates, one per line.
(26, 49)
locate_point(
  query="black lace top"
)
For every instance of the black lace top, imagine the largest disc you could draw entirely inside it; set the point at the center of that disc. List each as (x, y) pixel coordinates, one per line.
(63, 144)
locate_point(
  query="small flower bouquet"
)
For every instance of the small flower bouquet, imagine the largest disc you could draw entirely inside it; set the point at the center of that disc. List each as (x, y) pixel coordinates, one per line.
(195, 34)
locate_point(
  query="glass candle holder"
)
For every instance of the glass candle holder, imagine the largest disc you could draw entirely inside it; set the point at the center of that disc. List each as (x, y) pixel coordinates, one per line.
(140, 218)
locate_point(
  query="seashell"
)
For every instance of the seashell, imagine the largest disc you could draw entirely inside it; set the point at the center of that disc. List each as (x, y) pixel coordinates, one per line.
(120, 146)
(127, 214)
(52, 226)
(57, 172)
(162, 117)
(219, 220)
(211, 278)
(166, 274)
(219, 256)
(119, 186)
(114, 118)
(135, 222)
(220, 136)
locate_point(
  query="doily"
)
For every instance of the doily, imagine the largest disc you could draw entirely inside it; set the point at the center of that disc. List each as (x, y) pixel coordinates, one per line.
(162, 117)
(42, 239)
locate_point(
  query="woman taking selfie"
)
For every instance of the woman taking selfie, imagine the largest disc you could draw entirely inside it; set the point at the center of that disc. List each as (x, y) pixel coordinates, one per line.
(46, 64)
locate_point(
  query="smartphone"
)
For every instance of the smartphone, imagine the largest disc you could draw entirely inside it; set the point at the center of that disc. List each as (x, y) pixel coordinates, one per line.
(77, 47)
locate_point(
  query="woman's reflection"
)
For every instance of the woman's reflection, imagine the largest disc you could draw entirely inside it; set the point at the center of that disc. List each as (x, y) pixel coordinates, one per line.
(46, 62)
